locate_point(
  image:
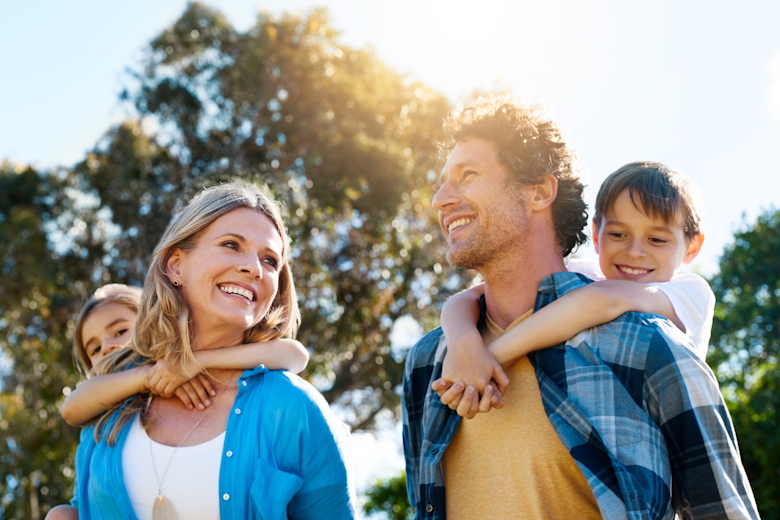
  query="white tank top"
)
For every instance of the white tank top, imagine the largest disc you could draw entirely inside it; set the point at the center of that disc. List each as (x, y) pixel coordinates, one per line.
(192, 481)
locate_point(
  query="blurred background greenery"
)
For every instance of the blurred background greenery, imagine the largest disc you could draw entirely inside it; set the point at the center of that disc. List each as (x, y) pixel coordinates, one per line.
(349, 146)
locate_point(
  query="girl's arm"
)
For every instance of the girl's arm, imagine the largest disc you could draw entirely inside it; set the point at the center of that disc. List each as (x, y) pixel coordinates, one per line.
(583, 308)
(99, 393)
(278, 354)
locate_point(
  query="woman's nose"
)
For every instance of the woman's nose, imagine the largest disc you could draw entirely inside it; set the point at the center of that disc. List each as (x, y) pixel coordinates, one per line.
(252, 265)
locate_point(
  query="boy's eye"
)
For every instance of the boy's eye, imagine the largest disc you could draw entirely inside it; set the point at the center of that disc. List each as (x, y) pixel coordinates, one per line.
(658, 241)
(616, 234)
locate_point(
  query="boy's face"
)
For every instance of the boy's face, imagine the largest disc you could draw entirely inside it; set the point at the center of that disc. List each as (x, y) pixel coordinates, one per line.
(106, 328)
(634, 246)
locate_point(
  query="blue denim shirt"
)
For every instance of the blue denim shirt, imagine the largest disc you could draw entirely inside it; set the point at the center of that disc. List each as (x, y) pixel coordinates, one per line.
(284, 456)
(639, 412)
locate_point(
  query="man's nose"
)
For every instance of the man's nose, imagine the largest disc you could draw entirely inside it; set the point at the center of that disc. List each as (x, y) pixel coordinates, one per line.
(446, 194)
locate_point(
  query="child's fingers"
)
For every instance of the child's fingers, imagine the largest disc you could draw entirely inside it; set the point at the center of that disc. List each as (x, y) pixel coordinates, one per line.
(200, 391)
(452, 393)
(469, 400)
(208, 385)
(440, 386)
(184, 397)
(501, 379)
(486, 401)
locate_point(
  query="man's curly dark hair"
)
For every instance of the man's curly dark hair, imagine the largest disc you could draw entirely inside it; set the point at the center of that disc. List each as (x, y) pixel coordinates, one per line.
(530, 146)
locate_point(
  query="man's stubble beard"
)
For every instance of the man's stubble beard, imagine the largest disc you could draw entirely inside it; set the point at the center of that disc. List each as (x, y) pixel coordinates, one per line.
(507, 232)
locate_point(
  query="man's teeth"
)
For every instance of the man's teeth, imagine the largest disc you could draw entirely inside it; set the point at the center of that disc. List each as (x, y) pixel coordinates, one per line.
(458, 223)
(234, 289)
(631, 270)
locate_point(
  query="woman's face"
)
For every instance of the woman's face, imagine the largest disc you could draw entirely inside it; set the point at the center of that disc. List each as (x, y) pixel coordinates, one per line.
(231, 276)
(106, 328)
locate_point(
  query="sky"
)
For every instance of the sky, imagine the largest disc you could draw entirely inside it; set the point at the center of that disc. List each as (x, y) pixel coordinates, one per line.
(693, 84)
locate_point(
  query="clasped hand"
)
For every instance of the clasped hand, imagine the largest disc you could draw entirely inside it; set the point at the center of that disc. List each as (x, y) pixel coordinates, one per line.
(193, 389)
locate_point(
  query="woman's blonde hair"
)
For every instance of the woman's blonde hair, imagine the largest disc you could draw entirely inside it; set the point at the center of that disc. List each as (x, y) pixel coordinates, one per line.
(163, 328)
(126, 295)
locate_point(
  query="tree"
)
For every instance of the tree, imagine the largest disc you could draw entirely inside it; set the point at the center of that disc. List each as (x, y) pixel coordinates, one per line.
(746, 338)
(389, 497)
(347, 144)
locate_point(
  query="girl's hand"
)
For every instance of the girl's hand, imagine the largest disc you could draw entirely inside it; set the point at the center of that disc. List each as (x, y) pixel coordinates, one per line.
(196, 392)
(465, 400)
(161, 380)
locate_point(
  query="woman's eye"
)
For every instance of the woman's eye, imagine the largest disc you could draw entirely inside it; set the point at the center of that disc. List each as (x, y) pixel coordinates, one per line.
(271, 261)
(231, 244)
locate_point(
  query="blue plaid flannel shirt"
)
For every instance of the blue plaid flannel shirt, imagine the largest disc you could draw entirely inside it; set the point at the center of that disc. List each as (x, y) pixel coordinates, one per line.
(639, 412)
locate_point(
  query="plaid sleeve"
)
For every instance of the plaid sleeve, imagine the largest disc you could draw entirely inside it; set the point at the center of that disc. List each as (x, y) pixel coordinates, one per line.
(684, 399)
(417, 379)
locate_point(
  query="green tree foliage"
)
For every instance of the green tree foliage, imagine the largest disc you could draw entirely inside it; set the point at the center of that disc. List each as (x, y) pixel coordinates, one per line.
(388, 499)
(346, 144)
(746, 337)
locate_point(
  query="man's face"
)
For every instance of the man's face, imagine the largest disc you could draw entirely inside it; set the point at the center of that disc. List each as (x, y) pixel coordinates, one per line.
(481, 212)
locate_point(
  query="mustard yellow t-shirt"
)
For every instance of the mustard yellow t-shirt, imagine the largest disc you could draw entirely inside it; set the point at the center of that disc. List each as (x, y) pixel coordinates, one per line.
(510, 463)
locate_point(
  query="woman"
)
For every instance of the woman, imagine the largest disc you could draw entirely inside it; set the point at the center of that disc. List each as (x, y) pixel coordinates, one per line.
(269, 446)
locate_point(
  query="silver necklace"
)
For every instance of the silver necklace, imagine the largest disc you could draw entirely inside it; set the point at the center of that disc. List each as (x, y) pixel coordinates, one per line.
(163, 509)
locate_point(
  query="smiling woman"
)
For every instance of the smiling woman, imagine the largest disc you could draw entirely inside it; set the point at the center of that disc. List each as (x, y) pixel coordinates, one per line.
(269, 446)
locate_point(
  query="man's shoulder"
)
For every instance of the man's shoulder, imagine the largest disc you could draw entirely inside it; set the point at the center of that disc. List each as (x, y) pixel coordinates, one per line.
(424, 351)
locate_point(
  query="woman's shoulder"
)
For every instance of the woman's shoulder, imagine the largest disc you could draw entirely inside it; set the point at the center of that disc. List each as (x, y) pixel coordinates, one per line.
(289, 390)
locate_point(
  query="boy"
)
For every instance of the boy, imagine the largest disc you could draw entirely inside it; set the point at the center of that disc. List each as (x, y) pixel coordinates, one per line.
(646, 225)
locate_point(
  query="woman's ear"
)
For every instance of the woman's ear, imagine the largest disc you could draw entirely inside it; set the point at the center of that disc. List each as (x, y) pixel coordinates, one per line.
(173, 266)
(694, 246)
(543, 195)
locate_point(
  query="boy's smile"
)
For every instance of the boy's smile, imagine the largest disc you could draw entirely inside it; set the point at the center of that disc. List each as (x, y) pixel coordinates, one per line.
(635, 246)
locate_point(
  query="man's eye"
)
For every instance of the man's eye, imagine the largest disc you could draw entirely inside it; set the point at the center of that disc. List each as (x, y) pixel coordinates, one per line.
(468, 173)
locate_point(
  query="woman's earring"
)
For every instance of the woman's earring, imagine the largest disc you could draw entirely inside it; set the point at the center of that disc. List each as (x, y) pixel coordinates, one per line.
(176, 283)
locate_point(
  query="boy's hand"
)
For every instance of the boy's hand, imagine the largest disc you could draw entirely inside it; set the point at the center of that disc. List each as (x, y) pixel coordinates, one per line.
(475, 366)
(196, 392)
(465, 400)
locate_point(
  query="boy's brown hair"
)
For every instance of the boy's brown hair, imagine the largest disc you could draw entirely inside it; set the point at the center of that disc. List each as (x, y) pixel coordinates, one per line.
(662, 192)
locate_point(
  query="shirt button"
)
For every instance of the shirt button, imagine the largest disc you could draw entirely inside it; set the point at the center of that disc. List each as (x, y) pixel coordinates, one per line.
(243, 383)
(225, 497)
(429, 508)
(238, 411)
(229, 454)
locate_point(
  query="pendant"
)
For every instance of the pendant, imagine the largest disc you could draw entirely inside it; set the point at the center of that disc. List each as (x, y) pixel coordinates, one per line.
(163, 509)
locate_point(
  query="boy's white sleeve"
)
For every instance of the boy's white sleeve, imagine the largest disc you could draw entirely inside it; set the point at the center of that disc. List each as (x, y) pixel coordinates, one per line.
(694, 304)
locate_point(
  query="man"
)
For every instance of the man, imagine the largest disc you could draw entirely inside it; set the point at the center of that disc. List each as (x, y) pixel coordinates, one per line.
(623, 421)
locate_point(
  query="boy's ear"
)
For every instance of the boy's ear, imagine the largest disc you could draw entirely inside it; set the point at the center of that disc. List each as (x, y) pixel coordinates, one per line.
(173, 265)
(541, 196)
(594, 233)
(694, 246)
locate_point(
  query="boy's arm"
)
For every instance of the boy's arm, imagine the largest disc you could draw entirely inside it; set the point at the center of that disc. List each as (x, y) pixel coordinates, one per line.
(99, 393)
(583, 308)
(277, 354)
(466, 359)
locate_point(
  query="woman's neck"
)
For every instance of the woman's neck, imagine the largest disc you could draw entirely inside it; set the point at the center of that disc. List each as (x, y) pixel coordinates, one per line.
(212, 339)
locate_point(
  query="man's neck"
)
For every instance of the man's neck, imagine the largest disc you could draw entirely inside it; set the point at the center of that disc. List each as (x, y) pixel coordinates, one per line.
(510, 288)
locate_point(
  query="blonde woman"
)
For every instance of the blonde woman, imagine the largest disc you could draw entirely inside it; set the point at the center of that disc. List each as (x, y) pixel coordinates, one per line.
(269, 446)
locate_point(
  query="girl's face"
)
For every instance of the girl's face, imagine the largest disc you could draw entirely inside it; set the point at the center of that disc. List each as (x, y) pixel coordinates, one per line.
(107, 328)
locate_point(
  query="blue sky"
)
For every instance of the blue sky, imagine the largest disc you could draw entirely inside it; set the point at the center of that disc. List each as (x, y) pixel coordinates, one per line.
(694, 84)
